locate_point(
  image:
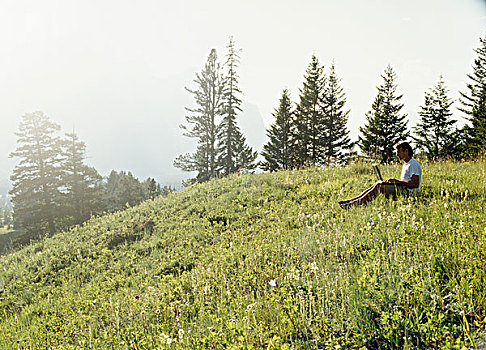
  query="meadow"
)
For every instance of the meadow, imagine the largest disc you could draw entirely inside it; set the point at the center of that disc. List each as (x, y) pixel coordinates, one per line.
(6, 237)
(266, 261)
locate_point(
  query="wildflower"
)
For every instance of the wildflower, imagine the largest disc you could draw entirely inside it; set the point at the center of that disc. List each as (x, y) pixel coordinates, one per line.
(273, 283)
(164, 336)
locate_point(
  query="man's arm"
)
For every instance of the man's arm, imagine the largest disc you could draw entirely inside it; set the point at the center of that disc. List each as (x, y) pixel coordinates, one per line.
(413, 183)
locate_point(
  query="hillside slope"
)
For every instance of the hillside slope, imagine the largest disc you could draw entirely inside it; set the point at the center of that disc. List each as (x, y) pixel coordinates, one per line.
(262, 261)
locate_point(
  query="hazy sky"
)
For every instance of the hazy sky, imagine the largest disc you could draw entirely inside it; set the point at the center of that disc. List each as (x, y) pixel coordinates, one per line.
(81, 61)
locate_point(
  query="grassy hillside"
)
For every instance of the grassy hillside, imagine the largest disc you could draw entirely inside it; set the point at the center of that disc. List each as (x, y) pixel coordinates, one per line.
(262, 261)
(6, 237)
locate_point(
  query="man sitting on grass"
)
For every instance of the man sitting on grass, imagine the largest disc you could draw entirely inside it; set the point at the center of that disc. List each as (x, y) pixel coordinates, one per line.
(410, 179)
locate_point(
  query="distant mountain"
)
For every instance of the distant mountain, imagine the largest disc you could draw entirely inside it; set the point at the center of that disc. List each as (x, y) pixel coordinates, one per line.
(130, 122)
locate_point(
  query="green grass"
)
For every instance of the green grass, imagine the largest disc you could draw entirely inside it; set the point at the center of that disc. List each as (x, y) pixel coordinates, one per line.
(4, 230)
(6, 237)
(262, 261)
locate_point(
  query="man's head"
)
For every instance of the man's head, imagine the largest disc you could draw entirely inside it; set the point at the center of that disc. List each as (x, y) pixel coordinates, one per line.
(404, 151)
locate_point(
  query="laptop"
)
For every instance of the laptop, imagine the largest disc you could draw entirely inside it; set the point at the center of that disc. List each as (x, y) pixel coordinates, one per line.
(377, 172)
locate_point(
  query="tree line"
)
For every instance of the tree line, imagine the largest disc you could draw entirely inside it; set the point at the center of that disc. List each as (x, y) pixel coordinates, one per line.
(6, 218)
(314, 132)
(52, 186)
(221, 146)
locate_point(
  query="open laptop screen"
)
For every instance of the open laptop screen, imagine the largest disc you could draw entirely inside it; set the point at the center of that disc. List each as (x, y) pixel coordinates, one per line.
(377, 172)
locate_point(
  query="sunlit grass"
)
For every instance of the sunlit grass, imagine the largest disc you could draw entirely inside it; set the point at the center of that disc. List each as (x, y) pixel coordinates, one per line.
(263, 261)
(4, 230)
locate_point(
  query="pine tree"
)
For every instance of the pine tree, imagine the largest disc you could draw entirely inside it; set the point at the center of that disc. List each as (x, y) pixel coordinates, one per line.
(7, 218)
(278, 151)
(151, 188)
(165, 190)
(209, 97)
(131, 189)
(474, 101)
(234, 153)
(232, 105)
(83, 184)
(336, 142)
(123, 189)
(385, 125)
(434, 129)
(111, 197)
(244, 156)
(36, 194)
(309, 117)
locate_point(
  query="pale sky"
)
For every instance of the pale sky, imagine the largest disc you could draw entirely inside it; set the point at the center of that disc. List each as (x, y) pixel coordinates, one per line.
(94, 64)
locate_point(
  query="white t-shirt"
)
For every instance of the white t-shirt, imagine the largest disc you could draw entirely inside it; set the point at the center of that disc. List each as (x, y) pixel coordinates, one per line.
(409, 169)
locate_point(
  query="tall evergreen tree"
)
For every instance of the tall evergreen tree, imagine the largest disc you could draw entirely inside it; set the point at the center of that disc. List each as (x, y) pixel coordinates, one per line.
(165, 190)
(203, 124)
(83, 184)
(151, 188)
(36, 194)
(111, 197)
(131, 189)
(278, 151)
(7, 218)
(122, 189)
(234, 154)
(309, 116)
(244, 156)
(385, 125)
(434, 129)
(336, 142)
(474, 100)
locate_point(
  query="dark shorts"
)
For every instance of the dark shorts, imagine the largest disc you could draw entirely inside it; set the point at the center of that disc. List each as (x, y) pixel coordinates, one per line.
(394, 189)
